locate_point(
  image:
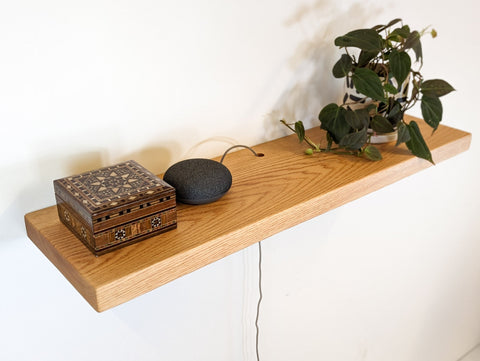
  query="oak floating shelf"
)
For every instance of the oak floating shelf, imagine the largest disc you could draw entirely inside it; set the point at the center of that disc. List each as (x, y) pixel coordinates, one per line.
(268, 195)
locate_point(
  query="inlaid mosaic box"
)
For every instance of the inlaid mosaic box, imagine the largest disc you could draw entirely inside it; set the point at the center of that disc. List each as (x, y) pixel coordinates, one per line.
(115, 206)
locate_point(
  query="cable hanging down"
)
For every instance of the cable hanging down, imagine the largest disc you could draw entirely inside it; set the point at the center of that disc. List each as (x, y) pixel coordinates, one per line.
(259, 298)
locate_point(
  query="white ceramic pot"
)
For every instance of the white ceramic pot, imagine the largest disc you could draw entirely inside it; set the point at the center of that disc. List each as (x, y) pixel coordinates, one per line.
(378, 138)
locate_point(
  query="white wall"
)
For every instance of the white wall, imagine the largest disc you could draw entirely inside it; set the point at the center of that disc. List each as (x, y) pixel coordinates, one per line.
(392, 276)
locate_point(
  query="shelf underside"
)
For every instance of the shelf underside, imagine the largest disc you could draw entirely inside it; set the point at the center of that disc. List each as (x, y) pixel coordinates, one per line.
(268, 195)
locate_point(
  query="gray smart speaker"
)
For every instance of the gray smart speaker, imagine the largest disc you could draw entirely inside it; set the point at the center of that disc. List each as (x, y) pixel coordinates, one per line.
(198, 181)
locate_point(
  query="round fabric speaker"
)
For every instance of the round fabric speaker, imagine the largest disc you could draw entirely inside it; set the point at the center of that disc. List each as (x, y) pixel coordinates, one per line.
(198, 180)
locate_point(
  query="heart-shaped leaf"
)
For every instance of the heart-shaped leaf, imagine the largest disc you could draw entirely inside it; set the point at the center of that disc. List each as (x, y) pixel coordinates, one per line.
(402, 32)
(381, 124)
(432, 110)
(357, 119)
(402, 134)
(417, 144)
(354, 141)
(436, 87)
(342, 67)
(372, 153)
(300, 131)
(332, 118)
(400, 64)
(368, 83)
(365, 39)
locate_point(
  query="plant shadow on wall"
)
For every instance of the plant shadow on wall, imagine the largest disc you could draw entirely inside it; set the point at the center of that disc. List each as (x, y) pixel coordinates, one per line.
(311, 83)
(381, 66)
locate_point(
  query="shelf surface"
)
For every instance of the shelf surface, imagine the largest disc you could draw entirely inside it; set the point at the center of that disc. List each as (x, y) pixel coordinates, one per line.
(269, 194)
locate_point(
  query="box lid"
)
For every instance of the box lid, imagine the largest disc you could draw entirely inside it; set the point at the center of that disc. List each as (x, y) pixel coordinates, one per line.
(111, 188)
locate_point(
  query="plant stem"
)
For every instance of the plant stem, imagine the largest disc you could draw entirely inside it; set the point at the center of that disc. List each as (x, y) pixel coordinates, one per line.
(305, 138)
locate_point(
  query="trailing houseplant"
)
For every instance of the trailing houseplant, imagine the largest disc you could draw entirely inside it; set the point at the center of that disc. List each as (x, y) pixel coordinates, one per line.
(383, 65)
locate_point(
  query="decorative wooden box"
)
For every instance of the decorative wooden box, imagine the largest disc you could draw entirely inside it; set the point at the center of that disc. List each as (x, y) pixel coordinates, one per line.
(115, 206)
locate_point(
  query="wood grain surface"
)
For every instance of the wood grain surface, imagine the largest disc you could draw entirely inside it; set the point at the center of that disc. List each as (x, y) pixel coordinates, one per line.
(269, 194)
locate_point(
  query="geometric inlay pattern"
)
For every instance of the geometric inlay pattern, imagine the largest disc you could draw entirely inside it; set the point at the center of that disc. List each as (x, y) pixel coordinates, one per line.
(108, 183)
(110, 186)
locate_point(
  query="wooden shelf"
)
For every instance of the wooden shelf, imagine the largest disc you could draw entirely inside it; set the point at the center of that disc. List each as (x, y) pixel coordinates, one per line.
(268, 195)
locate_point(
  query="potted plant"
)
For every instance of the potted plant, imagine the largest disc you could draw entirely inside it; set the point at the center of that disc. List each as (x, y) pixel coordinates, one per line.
(381, 66)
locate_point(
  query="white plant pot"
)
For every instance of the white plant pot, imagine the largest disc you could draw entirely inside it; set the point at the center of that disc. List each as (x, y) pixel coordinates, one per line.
(378, 138)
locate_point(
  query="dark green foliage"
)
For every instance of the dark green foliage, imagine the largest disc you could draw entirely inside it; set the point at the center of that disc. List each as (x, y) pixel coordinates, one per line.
(354, 141)
(368, 83)
(395, 112)
(388, 62)
(389, 88)
(432, 110)
(366, 56)
(417, 144)
(381, 124)
(399, 33)
(333, 120)
(381, 59)
(372, 153)
(436, 87)
(403, 134)
(364, 39)
(400, 64)
(300, 130)
(357, 119)
(342, 67)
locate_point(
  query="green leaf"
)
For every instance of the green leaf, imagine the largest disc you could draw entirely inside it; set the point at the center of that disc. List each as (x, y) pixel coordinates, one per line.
(372, 153)
(342, 67)
(365, 39)
(357, 119)
(432, 110)
(354, 141)
(332, 118)
(368, 83)
(402, 32)
(417, 144)
(403, 134)
(300, 131)
(390, 89)
(365, 57)
(395, 113)
(381, 124)
(436, 87)
(413, 42)
(400, 64)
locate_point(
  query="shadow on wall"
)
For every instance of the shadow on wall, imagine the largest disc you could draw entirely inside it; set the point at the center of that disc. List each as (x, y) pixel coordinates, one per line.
(31, 187)
(154, 158)
(205, 148)
(313, 85)
(31, 184)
